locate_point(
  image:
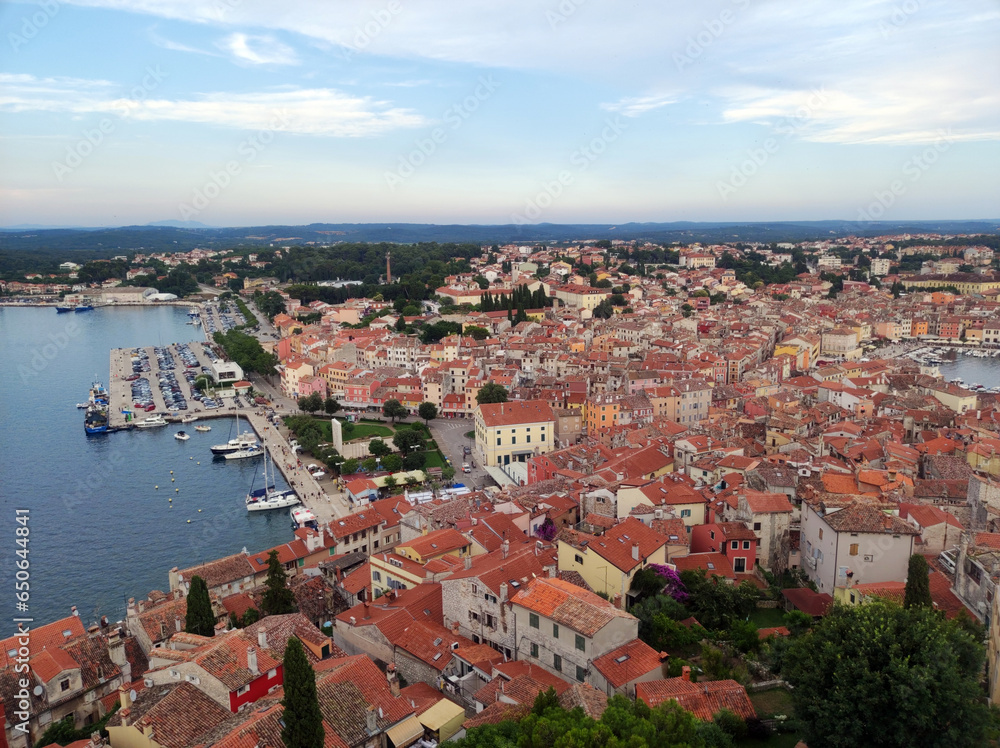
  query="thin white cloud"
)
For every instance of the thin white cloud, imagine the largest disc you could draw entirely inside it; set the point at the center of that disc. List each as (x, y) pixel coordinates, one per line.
(634, 106)
(258, 50)
(315, 111)
(165, 43)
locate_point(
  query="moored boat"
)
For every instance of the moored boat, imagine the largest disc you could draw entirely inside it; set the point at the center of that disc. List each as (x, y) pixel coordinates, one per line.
(189, 419)
(151, 422)
(96, 420)
(63, 309)
(82, 308)
(269, 497)
(202, 428)
(245, 454)
(182, 436)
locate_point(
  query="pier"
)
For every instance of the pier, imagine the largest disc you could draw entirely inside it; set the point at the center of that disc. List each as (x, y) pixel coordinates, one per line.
(311, 492)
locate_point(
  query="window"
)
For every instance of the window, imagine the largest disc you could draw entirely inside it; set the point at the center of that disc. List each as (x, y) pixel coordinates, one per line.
(557, 663)
(555, 630)
(581, 674)
(746, 545)
(475, 588)
(64, 685)
(578, 558)
(711, 534)
(376, 576)
(533, 620)
(242, 690)
(490, 598)
(498, 441)
(491, 621)
(821, 533)
(735, 545)
(756, 526)
(854, 549)
(581, 643)
(534, 650)
(685, 512)
(513, 440)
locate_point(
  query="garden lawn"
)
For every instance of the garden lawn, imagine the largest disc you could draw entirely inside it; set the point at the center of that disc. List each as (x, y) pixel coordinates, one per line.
(367, 431)
(768, 618)
(434, 459)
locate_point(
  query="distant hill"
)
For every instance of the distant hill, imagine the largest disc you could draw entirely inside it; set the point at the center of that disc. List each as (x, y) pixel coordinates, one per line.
(185, 235)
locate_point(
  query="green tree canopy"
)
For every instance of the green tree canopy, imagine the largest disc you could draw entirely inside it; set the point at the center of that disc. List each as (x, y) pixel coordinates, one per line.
(278, 599)
(476, 332)
(311, 403)
(393, 409)
(302, 719)
(491, 392)
(331, 406)
(880, 675)
(379, 448)
(408, 440)
(918, 586)
(427, 410)
(199, 618)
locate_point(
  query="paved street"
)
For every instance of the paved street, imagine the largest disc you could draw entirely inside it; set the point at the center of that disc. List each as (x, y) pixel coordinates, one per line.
(449, 433)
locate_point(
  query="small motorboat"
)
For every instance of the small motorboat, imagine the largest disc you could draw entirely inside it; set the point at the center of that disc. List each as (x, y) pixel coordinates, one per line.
(83, 405)
(202, 428)
(182, 435)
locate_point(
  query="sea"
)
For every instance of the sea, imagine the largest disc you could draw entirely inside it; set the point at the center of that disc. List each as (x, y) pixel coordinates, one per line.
(108, 515)
(972, 370)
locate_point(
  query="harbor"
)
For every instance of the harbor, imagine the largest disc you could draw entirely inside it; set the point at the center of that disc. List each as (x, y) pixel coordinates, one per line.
(155, 363)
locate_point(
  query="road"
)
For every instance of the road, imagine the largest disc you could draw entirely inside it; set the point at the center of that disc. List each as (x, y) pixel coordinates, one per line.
(450, 435)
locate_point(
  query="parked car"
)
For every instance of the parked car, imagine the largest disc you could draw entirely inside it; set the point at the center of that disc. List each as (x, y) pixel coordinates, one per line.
(948, 559)
(466, 468)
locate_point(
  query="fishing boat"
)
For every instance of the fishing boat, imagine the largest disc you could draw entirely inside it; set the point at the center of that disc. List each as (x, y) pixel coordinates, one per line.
(244, 454)
(82, 308)
(83, 405)
(239, 443)
(182, 436)
(63, 309)
(269, 497)
(98, 395)
(202, 428)
(96, 420)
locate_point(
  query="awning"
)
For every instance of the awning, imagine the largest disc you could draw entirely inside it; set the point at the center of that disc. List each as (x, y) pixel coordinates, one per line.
(441, 714)
(405, 732)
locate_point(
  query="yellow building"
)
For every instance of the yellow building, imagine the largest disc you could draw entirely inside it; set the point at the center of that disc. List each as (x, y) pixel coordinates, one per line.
(435, 545)
(964, 283)
(390, 571)
(674, 499)
(608, 562)
(513, 431)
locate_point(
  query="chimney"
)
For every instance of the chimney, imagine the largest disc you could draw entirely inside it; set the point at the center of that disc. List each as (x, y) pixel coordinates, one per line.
(93, 631)
(252, 661)
(124, 696)
(262, 637)
(635, 551)
(178, 624)
(505, 548)
(74, 612)
(393, 678)
(617, 601)
(454, 628)
(370, 720)
(468, 562)
(552, 572)
(503, 592)
(367, 611)
(686, 673)
(354, 621)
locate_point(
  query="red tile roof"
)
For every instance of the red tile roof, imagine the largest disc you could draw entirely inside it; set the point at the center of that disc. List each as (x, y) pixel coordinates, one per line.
(516, 412)
(616, 544)
(628, 662)
(436, 543)
(44, 637)
(804, 599)
(703, 699)
(714, 564)
(568, 605)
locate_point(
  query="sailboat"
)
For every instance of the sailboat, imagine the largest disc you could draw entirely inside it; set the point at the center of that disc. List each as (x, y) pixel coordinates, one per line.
(244, 442)
(269, 497)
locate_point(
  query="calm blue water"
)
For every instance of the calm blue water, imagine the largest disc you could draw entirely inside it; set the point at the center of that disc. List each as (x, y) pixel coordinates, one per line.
(985, 371)
(100, 531)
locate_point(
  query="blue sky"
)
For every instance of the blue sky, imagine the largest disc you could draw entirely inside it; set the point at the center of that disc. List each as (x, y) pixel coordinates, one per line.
(246, 112)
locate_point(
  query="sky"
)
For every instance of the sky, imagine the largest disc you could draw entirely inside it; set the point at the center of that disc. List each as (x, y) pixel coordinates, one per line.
(253, 112)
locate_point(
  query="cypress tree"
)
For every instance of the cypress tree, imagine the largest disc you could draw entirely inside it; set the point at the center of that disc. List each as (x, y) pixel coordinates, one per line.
(303, 720)
(278, 599)
(918, 586)
(199, 618)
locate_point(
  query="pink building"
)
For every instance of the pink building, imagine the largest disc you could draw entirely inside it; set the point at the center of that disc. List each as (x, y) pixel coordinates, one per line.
(309, 385)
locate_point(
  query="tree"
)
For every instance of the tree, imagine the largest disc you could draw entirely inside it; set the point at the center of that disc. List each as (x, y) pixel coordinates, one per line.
(918, 586)
(393, 409)
(408, 440)
(379, 448)
(414, 461)
(880, 675)
(331, 406)
(390, 482)
(392, 462)
(428, 411)
(716, 604)
(369, 464)
(491, 392)
(311, 403)
(349, 466)
(278, 599)
(476, 332)
(199, 618)
(303, 721)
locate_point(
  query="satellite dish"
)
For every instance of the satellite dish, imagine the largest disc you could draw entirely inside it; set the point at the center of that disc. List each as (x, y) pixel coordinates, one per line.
(38, 690)
(131, 694)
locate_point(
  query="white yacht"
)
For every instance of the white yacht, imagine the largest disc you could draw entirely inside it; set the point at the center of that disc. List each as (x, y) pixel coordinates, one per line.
(239, 443)
(182, 436)
(243, 454)
(269, 497)
(151, 422)
(202, 427)
(189, 419)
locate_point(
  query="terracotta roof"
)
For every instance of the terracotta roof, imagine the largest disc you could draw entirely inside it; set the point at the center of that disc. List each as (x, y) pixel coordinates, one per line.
(221, 571)
(50, 663)
(703, 699)
(497, 712)
(585, 696)
(774, 631)
(712, 563)
(568, 605)
(178, 714)
(516, 412)
(616, 544)
(347, 688)
(44, 637)
(767, 503)
(430, 642)
(804, 599)
(865, 518)
(436, 543)
(628, 662)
